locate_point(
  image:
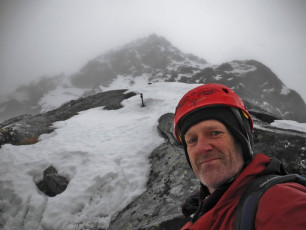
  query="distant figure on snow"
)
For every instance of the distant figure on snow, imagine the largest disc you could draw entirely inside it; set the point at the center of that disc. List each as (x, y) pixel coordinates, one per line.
(142, 104)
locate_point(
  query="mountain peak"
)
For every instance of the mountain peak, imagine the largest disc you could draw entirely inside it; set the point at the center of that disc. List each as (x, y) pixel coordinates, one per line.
(153, 56)
(154, 39)
(151, 40)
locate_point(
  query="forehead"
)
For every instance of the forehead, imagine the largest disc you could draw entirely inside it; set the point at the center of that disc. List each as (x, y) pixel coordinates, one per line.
(207, 124)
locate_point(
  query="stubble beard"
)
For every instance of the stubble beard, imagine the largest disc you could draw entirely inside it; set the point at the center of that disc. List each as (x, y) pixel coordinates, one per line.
(215, 175)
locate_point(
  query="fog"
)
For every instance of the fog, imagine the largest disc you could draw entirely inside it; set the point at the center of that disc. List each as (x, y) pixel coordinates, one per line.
(41, 37)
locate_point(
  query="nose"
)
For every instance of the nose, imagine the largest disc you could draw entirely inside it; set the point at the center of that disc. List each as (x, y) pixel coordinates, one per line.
(204, 145)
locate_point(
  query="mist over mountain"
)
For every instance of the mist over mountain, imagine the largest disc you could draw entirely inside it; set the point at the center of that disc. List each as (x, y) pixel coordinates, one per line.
(95, 157)
(155, 59)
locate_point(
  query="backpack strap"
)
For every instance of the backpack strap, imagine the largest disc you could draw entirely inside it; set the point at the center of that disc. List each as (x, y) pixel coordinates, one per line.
(247, 207)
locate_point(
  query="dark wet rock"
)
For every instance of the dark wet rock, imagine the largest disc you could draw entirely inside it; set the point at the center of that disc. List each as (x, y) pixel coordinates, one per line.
(261, 114)
(15, 119)
(52, 183)
(289, 146)
(165, 127)
(26, 129)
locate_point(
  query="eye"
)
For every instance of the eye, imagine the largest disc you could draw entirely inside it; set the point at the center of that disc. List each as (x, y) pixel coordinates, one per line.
(215, 133)
(191, 140)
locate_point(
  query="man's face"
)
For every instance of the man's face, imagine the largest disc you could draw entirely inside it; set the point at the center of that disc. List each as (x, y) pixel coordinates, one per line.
(214, 154)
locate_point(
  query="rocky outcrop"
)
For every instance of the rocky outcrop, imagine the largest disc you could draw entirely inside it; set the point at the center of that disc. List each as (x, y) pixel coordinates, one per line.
(26, 129)
(171, 180)
(52, 183)
(289, 146)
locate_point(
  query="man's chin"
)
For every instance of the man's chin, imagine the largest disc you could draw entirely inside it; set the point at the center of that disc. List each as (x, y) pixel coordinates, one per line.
(211, 167)
(212, 177)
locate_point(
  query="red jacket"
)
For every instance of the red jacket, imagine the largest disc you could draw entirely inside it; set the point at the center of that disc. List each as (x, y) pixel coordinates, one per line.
(282, 207)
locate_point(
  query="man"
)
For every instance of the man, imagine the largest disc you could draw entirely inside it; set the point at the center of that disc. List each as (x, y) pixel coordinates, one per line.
(215, 129)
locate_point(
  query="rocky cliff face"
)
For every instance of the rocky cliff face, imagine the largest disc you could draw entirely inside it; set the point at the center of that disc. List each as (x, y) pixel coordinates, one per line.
(155, 59)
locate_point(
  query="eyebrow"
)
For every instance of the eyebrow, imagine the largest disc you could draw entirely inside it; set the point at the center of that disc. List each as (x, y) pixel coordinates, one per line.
(209, 127)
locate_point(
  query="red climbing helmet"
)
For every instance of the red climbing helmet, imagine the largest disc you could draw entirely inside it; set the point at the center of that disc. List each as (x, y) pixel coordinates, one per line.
(206, 96)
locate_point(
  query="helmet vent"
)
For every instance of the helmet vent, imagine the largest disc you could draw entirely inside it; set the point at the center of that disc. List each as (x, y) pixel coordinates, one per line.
(225, 90)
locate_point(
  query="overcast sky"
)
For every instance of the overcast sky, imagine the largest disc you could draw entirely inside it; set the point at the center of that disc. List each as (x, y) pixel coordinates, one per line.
(49, 37)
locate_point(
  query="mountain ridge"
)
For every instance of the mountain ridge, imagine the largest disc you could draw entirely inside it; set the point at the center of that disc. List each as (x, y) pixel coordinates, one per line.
(155, 59)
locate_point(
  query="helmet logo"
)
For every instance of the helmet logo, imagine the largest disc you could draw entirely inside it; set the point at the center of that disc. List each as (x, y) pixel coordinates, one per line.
(194, 97)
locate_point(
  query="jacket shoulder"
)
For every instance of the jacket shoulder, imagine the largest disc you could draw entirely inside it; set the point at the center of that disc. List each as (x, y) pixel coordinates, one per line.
(283, 206)
(265, 185)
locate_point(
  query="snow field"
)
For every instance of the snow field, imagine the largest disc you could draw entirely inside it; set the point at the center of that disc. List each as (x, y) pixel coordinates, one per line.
(104, 154)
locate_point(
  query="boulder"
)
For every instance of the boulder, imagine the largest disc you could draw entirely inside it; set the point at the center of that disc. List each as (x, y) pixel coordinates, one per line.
(52, 183)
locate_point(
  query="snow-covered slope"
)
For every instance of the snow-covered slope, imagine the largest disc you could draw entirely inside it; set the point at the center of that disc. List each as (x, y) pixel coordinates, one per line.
(104, 154)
